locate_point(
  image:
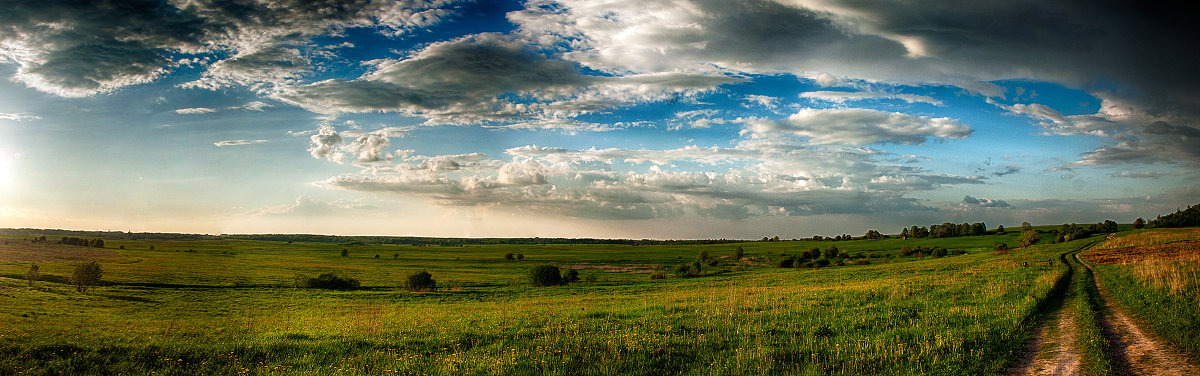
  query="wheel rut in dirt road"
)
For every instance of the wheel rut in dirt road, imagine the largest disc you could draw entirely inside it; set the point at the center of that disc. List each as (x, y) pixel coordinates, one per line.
(1053, 350)
(1134, 352)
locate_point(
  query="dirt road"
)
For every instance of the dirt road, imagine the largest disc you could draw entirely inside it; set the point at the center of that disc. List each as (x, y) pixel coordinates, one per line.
(1054, 351)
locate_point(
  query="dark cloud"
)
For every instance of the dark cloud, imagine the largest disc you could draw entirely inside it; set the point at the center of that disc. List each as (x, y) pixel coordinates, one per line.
(461, 81)
(1008, 170)
(1081, 44)
(80, 48)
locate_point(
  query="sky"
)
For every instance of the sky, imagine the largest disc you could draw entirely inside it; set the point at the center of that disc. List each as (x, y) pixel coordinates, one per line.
(662, 119)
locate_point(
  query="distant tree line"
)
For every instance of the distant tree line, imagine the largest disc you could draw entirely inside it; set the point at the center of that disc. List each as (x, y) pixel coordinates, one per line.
(945, 230)
(98, 243)
(1069, 232)
(1189, 217)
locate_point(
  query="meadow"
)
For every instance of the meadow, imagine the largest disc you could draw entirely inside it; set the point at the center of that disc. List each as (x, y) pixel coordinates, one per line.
(1156, 275)
(232, 307)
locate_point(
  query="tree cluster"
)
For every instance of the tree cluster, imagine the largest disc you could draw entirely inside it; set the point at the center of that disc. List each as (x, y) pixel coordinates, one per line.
(98, 243)
(1189, 217)
(874, 234)
(919, 251)
(1069, 232)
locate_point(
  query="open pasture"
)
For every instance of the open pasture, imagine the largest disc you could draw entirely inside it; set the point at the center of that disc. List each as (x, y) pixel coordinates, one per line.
(231, 307)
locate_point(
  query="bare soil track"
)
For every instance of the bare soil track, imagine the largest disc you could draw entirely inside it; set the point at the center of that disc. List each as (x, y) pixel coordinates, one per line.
(1134, 351)
(1054, 351)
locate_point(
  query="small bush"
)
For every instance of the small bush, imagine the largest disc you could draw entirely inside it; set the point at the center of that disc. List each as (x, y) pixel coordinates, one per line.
(32, 275)
(713, 262)
(395, 256)
(939, 252)
(376, 255)
(739, 253)
(570, 276)
(329, 281)
(545, 275)
(520, 256)
(658, 274)
(1029, 237)
(822, 262)
(786, 262)
(1000, 247)
(420, 281)
(686, 271)
(345, 252)
(510, 256)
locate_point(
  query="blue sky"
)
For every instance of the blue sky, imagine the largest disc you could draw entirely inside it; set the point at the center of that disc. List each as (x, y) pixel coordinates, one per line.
(631, 119)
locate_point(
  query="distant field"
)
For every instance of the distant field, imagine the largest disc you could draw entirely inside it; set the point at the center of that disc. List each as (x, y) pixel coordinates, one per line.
(230, 307)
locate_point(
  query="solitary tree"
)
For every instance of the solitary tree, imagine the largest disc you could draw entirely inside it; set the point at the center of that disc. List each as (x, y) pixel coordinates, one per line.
(86, 275)
(1139, 223)
(345, 252)
(545, 275)
(420, 281)
(570, 276)
(1029, 237)
(703, 255)
(738, 253)
(1000, 230)
(32, 275)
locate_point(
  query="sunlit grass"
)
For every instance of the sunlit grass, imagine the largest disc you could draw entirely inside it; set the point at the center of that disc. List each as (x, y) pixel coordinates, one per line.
(226, 309)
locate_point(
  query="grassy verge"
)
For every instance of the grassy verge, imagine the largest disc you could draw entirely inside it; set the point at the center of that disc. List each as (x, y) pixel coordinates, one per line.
(1165, 294)
(1096, 356)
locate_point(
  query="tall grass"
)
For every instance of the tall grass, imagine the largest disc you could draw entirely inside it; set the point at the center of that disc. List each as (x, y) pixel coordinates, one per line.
(1150, 237)
(1163, 293)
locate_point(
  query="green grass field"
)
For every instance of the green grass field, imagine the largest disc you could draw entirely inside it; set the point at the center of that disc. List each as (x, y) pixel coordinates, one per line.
(230, 307)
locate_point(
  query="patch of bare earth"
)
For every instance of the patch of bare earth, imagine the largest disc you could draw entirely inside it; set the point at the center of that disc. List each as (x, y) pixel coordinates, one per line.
(1135, 352)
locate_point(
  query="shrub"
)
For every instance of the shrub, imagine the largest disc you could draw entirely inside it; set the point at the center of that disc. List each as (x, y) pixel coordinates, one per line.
(395, 256)
(510, 256)
(1029, 237)
(703, 255)
(1000, 247)
(939, 252)
(831, 252)
(685, 271)
(570, 276)
(545, 275)
(786, 262)
(713, 262)
(345, 252)
(32, 275)
(658, 274)
(822, 262)
(420, 281)
(86, 275)
(329, 281)
(739, 253)
(520, 256)
(376, 255)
